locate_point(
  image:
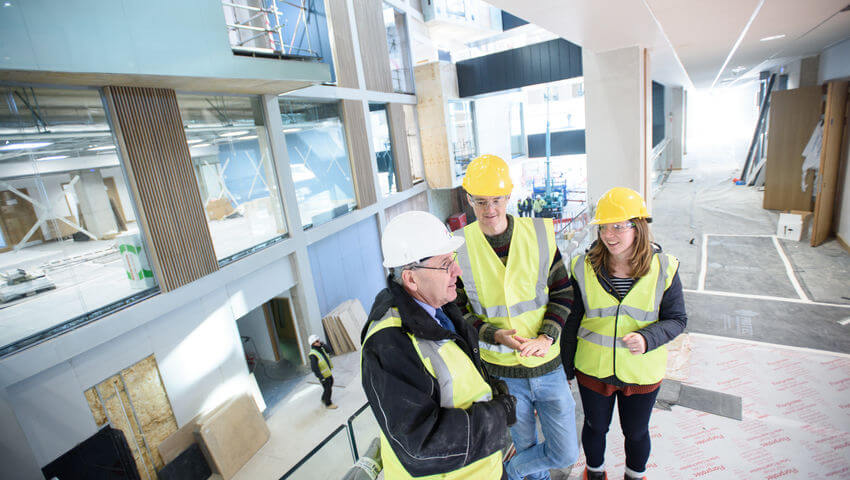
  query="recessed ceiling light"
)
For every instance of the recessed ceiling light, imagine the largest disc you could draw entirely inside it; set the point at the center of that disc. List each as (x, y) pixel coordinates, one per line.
(54, 157)
(105, 147)
(25, 146)
(201, 145)
(234, 134)
(247, 137)
(194, 140)
(773, 37)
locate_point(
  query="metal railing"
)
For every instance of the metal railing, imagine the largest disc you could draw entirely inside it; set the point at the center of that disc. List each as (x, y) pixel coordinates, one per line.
(263, 28)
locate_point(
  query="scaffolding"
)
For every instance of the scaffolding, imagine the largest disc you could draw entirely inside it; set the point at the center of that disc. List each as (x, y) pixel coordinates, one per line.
(261, 27)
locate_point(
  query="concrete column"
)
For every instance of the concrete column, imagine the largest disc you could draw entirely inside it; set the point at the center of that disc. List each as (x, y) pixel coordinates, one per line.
(94, 203)
(677, 134)
(617, 109)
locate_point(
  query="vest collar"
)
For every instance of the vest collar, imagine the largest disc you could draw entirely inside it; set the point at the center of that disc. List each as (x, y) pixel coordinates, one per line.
(415, 319)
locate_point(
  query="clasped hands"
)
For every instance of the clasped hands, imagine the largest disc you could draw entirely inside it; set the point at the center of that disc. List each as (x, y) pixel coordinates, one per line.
(526, 347)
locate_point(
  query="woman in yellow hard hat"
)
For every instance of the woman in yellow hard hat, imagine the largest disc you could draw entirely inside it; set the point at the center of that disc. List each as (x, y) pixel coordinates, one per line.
(628, 304)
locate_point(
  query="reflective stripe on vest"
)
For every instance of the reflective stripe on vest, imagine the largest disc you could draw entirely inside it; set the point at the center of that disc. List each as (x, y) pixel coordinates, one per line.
(601, 351)
(324, 367)
(512, 295)
(460, 386)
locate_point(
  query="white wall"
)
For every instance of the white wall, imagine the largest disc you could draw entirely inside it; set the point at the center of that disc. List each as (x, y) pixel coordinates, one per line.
(842, 222)
(834, 62)
(253, 325)
(493, 125)
(615, 122)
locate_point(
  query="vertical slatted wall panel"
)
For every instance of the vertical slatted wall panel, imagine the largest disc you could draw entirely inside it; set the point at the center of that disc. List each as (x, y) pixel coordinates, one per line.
(153, 144)
(343, 44)
(359, 152)
(401, 152)
(372, 37)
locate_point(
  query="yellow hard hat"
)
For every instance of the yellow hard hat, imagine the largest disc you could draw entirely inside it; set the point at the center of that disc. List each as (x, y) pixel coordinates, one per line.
(488, 176)
(619, 204)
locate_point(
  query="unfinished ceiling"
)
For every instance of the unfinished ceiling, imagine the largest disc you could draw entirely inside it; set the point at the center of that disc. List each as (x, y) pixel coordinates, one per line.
(695, 43)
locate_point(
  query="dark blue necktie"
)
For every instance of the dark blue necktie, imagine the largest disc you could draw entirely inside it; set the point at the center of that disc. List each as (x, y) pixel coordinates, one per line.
(444, 320)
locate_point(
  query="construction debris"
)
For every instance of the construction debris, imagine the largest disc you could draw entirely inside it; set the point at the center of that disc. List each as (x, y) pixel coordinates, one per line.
(343, 325)
(20, 283)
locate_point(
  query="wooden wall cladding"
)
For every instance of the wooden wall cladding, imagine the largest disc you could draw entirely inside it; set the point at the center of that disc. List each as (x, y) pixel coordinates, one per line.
(343, 44)
(830, 161)
(793, 116)
(416, 202)
(433, 118)
(372, 38)
(401, 152)
(359, 152)
(153, 146)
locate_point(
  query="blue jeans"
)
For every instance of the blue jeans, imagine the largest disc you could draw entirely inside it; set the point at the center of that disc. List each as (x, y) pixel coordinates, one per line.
(550, 395)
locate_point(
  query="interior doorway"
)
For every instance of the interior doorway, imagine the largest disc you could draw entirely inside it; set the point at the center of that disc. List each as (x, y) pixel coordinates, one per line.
(270, 340)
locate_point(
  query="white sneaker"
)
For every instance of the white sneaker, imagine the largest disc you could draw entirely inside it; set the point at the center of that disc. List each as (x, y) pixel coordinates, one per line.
(331, 406)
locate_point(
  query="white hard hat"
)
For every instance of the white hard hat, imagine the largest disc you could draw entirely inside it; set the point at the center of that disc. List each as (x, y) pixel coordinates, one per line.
(415, 235)
(313, 339)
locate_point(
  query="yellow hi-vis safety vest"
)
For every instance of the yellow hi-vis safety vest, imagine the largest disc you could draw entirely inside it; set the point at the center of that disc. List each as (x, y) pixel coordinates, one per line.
(601, 351)
(513, 295)
(460, 386)
(324, 367)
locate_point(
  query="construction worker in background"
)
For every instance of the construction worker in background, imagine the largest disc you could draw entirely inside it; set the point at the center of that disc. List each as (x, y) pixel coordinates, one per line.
(628, 304)
(320, 363)
(515, 290)
(539, 203)
(440, 413)
(520, 207)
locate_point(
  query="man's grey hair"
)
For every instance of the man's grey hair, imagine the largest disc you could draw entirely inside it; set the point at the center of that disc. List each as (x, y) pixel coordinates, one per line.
(396, 271)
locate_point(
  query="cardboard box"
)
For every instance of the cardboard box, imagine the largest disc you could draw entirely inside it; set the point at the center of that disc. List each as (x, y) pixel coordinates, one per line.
(793, 224)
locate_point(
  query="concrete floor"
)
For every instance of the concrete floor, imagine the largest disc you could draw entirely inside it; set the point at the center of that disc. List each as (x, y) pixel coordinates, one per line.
(783, 348)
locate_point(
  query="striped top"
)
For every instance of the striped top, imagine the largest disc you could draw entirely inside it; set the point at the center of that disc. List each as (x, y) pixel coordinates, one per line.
(622, 285)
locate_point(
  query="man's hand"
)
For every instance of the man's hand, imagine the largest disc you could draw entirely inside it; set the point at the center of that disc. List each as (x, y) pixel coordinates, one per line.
(537, 347)
(635, 342)
(506, 338)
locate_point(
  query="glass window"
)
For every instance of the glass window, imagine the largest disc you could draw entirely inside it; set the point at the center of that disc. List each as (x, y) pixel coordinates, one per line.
(517, 130)
(318, 159)
(70, 246)
(383, 148)
(398, 43)
(461, 134)
(232, 160)
(411, 123)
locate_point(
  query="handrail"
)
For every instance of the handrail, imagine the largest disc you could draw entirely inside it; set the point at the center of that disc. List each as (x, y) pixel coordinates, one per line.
(350, 423)
(312, 452)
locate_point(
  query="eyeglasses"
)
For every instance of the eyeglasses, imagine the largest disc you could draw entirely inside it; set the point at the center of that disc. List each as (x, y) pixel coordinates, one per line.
(446, 266)
(496, 202)
(617, 228)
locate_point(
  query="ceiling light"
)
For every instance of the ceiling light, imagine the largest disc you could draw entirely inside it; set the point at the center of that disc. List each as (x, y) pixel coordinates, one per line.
(25, 146)
(773, 37)
(54, 157)
(234, 134)
(104, 147)
(247, 137)
(194, 140)
(291, 130)
(201, 145)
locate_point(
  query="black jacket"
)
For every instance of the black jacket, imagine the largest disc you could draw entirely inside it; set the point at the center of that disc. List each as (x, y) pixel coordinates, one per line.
(405, 398)
(672, 320)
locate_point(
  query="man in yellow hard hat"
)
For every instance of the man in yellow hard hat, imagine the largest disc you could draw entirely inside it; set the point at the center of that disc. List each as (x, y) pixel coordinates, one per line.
(441, 415)
(516, 290)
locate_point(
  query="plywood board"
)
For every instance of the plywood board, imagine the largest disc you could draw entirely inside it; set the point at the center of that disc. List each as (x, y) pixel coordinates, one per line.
(793, 116)
(830, 161)
(231, 435)
(433, 118)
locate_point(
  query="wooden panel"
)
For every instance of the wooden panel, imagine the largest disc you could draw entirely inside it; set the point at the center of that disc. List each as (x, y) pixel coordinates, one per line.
(416, 202)
(830, 161)
(793, 116)
(372, 38)
(433, 118)
(153, 145)
(343, 44)
(354, 117)
(401, 153)
(17, 216)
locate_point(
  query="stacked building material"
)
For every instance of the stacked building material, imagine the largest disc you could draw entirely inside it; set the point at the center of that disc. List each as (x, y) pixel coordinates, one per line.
(343, 325)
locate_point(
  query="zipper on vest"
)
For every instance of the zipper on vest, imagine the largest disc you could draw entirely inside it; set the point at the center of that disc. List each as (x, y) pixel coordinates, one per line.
(616, 319)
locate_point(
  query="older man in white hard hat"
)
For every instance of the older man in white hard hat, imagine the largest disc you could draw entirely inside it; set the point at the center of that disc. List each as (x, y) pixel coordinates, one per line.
(320, 363)
(439, 411)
